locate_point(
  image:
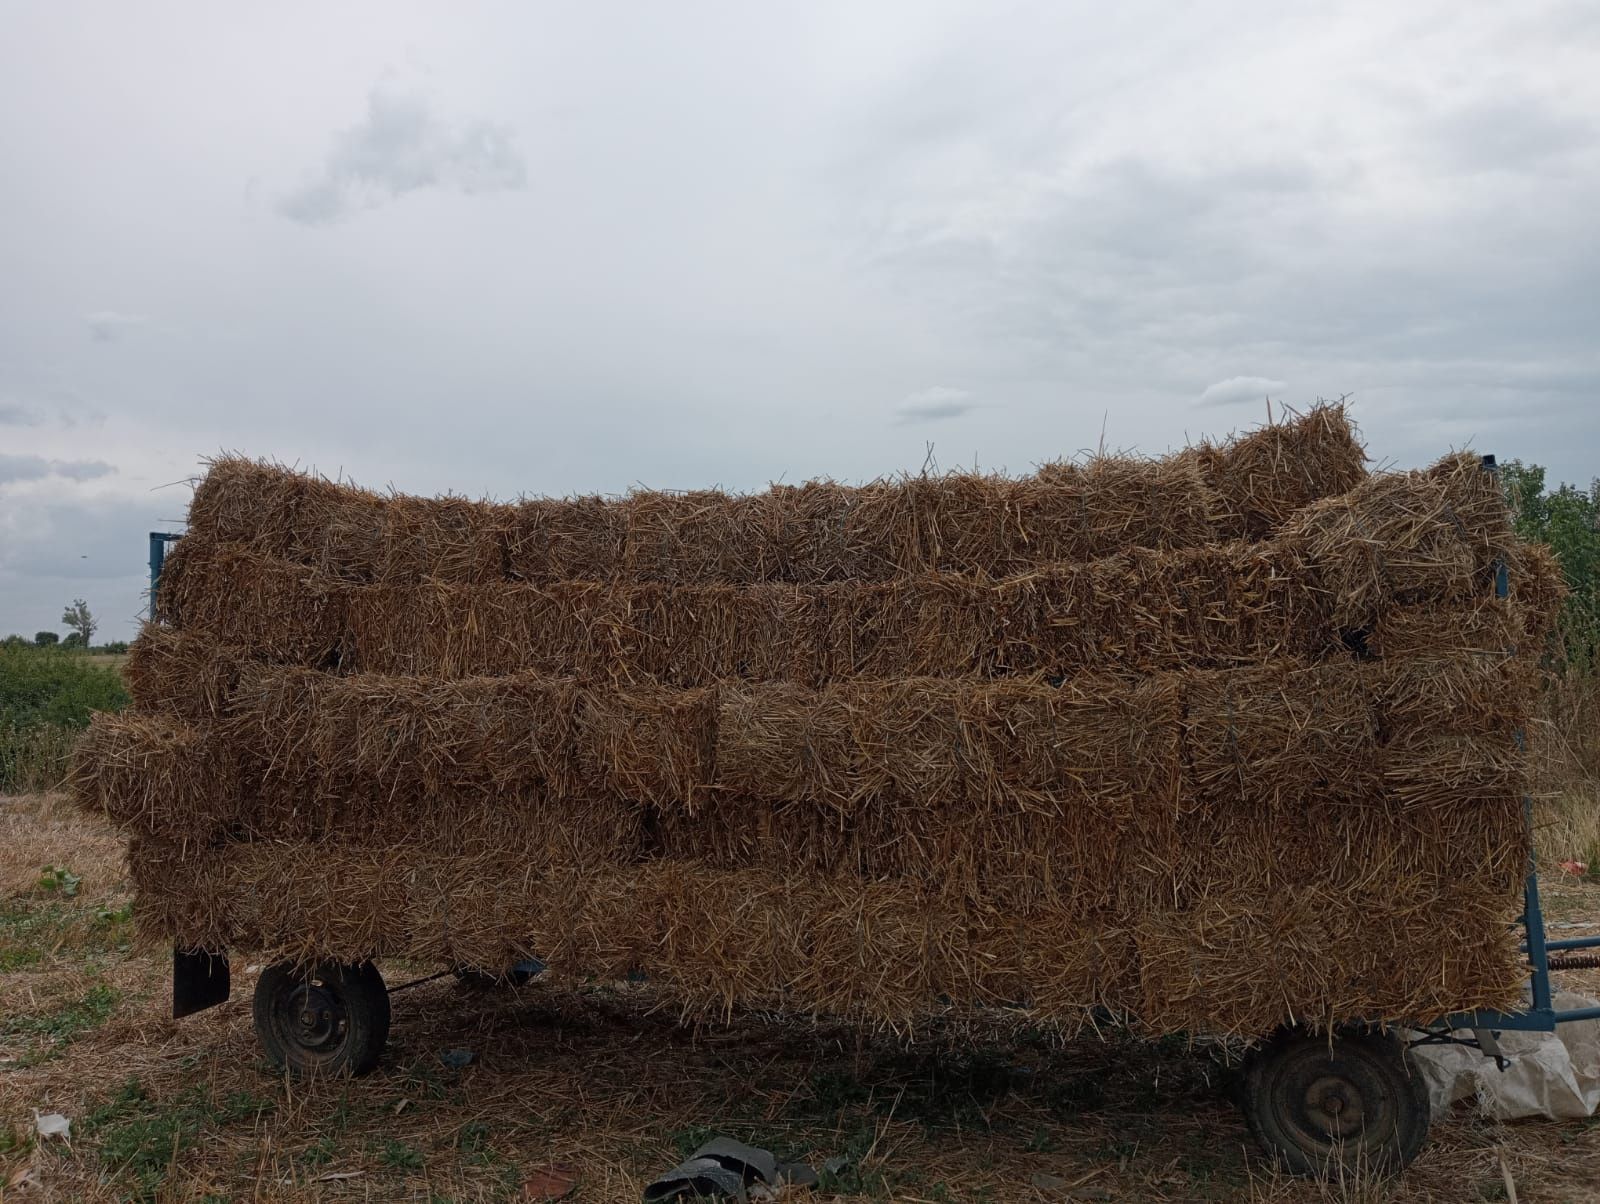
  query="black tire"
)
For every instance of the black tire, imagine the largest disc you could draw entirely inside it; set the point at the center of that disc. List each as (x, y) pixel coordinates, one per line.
(322, 1020)
(1356, 1103)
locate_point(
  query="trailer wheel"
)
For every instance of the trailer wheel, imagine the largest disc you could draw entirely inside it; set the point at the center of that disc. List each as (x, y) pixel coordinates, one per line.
(327, 1019)
(1356, 1102)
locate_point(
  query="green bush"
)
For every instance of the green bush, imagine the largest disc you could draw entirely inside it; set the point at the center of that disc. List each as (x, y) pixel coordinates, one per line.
(41, 686)
(46, 698)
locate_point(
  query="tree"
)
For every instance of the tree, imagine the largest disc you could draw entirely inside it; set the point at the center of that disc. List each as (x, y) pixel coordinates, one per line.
(45, 638)
(78, 618)
(1568, 519)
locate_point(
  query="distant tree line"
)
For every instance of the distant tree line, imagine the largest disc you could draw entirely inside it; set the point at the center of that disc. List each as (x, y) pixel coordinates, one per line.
(82, 624)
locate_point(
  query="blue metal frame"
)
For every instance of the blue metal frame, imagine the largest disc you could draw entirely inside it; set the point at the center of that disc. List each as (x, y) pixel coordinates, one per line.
(1542, 1016)
(158, 557)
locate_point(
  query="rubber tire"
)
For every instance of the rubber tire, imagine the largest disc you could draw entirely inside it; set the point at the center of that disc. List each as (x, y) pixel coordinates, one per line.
(357, 990)
(1356, 1056)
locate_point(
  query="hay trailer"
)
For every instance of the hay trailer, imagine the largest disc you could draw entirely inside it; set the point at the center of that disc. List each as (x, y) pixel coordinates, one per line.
(1310, 1099)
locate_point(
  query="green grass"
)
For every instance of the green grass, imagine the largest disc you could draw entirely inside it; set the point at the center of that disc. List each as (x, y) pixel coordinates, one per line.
(137, 1138)
(90, 1010)
(32, 931)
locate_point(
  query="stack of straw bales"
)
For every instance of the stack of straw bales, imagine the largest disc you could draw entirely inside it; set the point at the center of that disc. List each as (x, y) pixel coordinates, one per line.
(1211, 742)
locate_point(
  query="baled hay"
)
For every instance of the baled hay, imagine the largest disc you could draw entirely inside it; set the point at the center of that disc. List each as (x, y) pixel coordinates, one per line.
(819, 532)
(276, 609)
(1538, 589)
(1145, 611)
(1262, 478)
(150, 774)
(716, 939)
(1239, 963)
(186, 676)
(651, 745)
(1269, 739)
(347, 532)
(416, 744)
(1236, 962)
(1416, 537)
(1340, 848)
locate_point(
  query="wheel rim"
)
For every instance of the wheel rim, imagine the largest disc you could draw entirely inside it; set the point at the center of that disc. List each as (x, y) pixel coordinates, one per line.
(309, 1018)
(1328, 1101)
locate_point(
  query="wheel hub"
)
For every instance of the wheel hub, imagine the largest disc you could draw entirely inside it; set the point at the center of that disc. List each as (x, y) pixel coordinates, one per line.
(312, 1017)
(1333, 1103)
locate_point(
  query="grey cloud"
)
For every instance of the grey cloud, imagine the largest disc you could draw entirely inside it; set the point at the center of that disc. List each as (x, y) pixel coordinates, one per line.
(14, 468)
(401, 147)
(107, 325)
(1237, 390)
(934, 403)
(1506, 133)
(15, 415)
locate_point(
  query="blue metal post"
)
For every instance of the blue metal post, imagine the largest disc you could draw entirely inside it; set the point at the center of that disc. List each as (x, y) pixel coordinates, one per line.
(158, 557)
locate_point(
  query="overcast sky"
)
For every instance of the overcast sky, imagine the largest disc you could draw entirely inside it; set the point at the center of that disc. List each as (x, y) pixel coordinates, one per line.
(515, 248)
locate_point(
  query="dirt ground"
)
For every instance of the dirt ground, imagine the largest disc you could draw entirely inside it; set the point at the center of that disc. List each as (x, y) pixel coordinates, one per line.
(598, 1092)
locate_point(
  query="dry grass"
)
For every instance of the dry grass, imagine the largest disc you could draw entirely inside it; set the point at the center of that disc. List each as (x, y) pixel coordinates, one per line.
(603, 1080)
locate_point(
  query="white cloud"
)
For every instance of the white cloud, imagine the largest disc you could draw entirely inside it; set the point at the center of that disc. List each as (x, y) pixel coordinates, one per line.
(401, 147)
(935, 403)
(1237, 390)
(107, 325)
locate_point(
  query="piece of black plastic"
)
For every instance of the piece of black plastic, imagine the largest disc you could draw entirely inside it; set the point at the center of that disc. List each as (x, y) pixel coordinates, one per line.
(200, 980)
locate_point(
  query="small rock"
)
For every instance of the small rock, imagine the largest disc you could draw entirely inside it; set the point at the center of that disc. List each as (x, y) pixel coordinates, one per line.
(1048, 1182)
(457, 1059)
(550, 1183)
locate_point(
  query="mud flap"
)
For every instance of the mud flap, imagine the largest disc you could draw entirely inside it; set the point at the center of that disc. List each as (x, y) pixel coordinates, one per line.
(199, 981)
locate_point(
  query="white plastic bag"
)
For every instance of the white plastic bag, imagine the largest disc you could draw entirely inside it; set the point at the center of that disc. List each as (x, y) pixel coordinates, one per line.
(1553, 1075)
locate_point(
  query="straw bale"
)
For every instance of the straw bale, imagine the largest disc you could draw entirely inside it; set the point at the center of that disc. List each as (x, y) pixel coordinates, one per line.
(787, 744)
(1483, 627)
(1262, 478)
(181, 898)
(347, 532)
(819, 532)
(1147, 611)
(1239, 964)
(275, 609)
(1416, 537)
(702, 537)
(551, 539)
(1073, 512)
(1268, 739)
(1364, 846)
(187, 677)
(888, 953)
(405, 742)
(715, 939)
(652, 745)
(151, 774)
(1538, 588)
